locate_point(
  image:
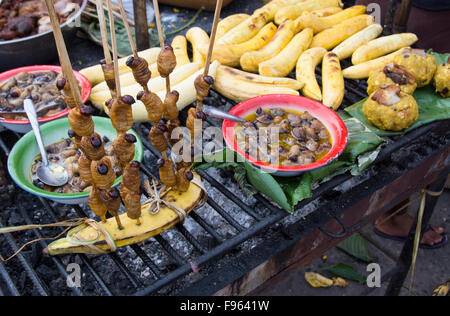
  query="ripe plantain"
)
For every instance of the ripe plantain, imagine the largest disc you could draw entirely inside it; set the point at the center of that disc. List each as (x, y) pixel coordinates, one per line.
(382, 46)
(332, 81)
(250, 61)
(363, 70)
(318, 24)
(151, 225)
(283, 63)
(198, 38)
(246, 30)
(335, 35)
(95, 74)
(305, 72)
(230, 55)
(295, 10)
(179, 45)
(348, 47)
(229, 22)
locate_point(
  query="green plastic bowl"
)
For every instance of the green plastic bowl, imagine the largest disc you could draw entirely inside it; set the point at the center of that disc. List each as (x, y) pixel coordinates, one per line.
(25, 151)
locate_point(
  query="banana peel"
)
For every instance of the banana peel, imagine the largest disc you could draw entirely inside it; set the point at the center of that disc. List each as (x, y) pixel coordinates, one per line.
(317, 280)
(151, 225)
(442, 290)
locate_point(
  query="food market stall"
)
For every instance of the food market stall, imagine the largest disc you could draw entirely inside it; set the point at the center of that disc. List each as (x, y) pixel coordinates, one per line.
(236, 243)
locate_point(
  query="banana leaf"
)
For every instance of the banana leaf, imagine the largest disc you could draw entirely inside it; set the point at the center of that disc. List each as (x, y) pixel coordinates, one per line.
(362, 149)
(432, 107)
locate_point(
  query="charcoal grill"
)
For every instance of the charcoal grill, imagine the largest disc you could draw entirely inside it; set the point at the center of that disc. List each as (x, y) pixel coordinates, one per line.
(255, 240)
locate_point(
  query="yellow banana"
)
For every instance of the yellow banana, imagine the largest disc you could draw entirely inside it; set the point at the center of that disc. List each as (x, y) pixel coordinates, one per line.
(348, 47)
(282, 64)
(382, 46)
(318, 24)
(151, 225)
(275, 5)
(95, 73)
(305, 72)
(198, 38)
(250, 61)
(233, 87)
(363, 70)
(179, 45)
(332, 81)
(246, 30)
(295, 10)
(230, 55)
(229, 22)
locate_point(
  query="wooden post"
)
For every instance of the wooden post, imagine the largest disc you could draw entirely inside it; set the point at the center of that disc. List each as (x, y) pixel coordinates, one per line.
(140, 24)
(401, 22)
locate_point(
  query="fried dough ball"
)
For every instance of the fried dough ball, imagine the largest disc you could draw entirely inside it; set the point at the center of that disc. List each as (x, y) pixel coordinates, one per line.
(442, 80)
(392, 74)
(420, 64)
(391, 109)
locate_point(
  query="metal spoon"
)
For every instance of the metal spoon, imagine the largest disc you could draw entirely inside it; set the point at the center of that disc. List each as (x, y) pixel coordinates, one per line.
(48, 172)
(215, 112)
(41, 109)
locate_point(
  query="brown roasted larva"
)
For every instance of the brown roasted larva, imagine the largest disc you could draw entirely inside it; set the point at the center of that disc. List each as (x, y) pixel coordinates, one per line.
(139, 67)
(80, 119)
(131, 179)
(92, 147)
(75, 138)
(171, 126)
(132, 204)
(193, 115)
(167, 172)
(96, 203)
(61, 84)
(202, 85)
(170, 105)
(102, 173)
(84, 169)
(124, 147)
(167, 61)
(184, 177)
(110, 79)
(111, 198)
(121, 114)
(153, 105)
(158, 138)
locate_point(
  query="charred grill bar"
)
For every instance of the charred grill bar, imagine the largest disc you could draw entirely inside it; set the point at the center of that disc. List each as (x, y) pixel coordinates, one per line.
(254, 253)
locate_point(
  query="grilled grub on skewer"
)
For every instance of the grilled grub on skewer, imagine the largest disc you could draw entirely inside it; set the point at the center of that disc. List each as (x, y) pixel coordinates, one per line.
(92, 147)
(131, 178)
(202, 85)
(141, 72)
(167, 172)
(96, 203)
(132, 202)
(124, 147)
(153, 105)
(171, 126)
(170, 105)
(112, 201)
(108, 72)
(166, 61)
(80, 119)
(103, 173)
(121, 114)
(62, 85)
(158, 138)
(184, 178)
(84, 168)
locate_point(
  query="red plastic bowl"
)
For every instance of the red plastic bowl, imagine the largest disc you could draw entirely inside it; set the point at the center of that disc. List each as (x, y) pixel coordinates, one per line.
(21, 125)
(327, 116)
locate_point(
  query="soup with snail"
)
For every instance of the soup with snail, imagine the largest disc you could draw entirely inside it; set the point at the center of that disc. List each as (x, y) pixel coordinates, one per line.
(283, 137)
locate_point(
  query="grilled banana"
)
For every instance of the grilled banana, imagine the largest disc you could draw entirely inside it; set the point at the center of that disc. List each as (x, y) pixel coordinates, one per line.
(332, 81)
(305, 72)
(245, 30)
(229, 22)
(348, 47)
(296, 9)
(198, 38)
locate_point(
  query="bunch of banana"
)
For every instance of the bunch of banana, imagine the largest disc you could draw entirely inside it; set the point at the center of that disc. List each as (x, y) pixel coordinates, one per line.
(240, 85)
(86, 239)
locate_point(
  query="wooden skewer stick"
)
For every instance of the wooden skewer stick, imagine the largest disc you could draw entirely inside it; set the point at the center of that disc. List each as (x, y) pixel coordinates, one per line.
(103, 31)
(213, 36)
(127, 27)
(114, 47)
(161, 35)
(64, 59)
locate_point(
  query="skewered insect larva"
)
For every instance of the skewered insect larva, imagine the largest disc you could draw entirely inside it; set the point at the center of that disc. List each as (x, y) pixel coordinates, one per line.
(108, 72)
(111, 198)
(74, 137)
(92, 147)
(121, 114)
(96, 203)
(80, 119)
(166, 61)
(193, 115)
(103, 173)
(141, 72)
(84, 169)
(68, 98)
(171, 126)
(167, 172)
(153, 104)
(132, 204)
(184, 178)
(124, 147)
(158, 138)
(170, 105)
(202, 85)
(131, 179)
